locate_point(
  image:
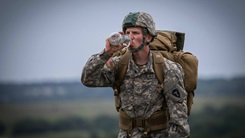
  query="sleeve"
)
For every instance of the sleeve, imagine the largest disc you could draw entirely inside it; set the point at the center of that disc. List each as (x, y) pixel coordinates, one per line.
(176, 98)
(99, 71)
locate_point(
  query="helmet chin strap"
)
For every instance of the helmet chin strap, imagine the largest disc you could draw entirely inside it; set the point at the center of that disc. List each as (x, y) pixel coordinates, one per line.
(134, 50)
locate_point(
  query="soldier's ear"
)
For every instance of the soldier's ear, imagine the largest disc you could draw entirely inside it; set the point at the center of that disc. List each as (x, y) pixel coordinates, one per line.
(148, 38)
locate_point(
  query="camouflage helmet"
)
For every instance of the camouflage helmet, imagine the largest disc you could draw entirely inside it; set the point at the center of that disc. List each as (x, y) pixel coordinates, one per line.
(139, 19)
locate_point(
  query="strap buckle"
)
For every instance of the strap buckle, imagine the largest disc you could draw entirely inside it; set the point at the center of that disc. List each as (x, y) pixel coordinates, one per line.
(138, 122)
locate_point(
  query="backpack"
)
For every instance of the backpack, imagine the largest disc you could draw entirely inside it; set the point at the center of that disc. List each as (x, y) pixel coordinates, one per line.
(168, 44)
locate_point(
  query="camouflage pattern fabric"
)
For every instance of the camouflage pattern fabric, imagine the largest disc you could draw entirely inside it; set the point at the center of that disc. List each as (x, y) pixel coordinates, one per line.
(141, 94)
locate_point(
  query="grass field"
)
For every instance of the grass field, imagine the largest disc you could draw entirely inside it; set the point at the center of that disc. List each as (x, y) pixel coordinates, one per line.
(217, 102)
(90, 109)
(53, 111)
(56, 110)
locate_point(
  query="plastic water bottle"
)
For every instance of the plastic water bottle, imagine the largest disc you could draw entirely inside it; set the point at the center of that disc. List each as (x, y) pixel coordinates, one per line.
(118, 39)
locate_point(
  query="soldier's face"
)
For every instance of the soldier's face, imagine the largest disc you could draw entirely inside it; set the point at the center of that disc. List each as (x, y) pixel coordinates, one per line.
(136, 35)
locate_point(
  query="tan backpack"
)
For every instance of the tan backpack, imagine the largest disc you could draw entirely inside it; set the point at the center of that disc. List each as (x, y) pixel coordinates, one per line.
(170, 45)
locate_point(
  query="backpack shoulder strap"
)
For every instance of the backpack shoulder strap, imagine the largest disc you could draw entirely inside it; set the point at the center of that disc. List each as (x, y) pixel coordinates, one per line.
(122, 67)
(158, 65)
(120, 74)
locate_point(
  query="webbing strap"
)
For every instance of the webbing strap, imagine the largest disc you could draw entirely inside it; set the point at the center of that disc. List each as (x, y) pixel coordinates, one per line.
(122, 66)
(157, 121)
(121, 72)
(158, 65)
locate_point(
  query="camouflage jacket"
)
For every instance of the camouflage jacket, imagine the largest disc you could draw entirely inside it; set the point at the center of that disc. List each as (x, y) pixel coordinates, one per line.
(140, 94)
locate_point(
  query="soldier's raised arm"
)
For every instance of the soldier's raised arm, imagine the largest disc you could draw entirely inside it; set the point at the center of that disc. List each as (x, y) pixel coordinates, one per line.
(96, 72)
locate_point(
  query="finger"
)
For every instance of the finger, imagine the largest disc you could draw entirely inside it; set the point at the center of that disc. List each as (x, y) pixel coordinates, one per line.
(107, 41)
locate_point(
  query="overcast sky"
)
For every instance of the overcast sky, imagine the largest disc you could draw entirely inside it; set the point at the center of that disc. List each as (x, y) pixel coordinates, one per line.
(44, 40)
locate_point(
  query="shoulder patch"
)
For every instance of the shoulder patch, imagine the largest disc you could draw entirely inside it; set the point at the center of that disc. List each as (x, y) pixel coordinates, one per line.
(176, 93)
(110, 63)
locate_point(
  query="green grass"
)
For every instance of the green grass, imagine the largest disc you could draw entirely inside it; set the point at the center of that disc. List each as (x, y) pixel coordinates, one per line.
(90, 109)
(54, 111)
(216, 102)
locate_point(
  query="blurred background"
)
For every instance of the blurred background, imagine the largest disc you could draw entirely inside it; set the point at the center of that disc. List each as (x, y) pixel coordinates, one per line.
(45, 44)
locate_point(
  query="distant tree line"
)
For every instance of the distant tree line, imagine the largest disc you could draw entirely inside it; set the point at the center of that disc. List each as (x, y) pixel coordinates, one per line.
(75, 90)
(221, 87)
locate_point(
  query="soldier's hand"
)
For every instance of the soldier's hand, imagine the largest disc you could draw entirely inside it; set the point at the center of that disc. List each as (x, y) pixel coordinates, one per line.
(110, 49)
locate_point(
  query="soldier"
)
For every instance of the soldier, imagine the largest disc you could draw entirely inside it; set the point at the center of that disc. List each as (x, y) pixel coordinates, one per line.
(146, 107)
